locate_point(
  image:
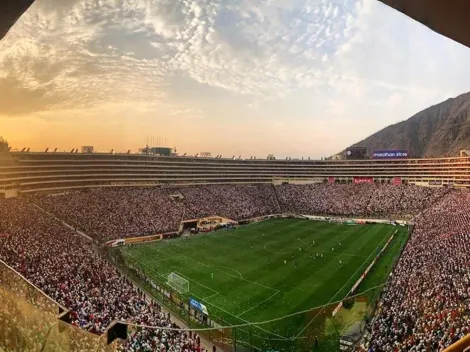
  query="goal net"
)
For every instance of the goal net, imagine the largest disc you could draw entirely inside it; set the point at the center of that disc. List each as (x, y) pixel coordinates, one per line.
(180, 284)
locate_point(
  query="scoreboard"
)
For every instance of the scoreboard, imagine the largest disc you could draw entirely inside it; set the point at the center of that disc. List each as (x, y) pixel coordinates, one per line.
(356, 153)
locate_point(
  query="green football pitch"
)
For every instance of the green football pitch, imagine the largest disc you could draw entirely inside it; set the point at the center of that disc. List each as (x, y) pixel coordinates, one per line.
(268, 270)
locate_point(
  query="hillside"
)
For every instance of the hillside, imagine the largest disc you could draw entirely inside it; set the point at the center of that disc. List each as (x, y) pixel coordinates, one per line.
(440, 130)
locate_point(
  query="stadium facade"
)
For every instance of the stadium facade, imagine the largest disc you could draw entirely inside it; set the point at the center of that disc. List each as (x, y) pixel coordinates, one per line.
(25, 172)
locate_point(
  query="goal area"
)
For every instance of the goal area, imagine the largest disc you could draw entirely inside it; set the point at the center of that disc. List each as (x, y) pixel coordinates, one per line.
(178, 283)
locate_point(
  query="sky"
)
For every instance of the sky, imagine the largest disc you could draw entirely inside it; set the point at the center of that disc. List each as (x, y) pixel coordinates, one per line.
(292, 78)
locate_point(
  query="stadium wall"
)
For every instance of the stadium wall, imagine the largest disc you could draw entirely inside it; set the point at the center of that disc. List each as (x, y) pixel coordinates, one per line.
(34, 172)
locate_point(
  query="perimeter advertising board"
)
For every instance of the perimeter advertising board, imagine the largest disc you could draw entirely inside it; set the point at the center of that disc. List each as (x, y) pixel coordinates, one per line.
(390, 154)
(363, 180)
(396, 181)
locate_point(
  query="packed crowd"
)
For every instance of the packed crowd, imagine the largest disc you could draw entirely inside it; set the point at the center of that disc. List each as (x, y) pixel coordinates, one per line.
(357, 200)
(118, 213)
(65, 266)
(426, 306)
(130, 212)
(232, 202)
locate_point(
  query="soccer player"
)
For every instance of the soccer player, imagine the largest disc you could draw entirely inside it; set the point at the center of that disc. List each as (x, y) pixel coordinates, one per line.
(340, 263)
(292, 254)
(295, 264)
(333, 249)
(313, 243)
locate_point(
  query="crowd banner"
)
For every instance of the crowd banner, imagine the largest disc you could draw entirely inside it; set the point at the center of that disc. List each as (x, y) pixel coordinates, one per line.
(390, 154)
(198, 306)
(357, 180)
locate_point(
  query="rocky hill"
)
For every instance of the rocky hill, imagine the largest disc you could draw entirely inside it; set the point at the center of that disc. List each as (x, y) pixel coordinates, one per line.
(440, 130)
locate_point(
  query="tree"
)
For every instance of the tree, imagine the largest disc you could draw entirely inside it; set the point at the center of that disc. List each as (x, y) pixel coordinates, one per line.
(348, 303)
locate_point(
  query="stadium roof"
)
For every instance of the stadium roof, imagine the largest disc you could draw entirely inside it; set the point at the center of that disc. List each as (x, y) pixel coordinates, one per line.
(10, 11)
(449, 18)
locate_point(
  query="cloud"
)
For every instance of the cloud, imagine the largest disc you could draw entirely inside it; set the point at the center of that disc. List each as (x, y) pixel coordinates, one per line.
(264, 50)
(194, 60)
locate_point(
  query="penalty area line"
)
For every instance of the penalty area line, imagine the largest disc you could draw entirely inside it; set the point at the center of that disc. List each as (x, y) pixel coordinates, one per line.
(226, 267)
(226, 273)
(196, 282)
(260, 303)
(336, 294)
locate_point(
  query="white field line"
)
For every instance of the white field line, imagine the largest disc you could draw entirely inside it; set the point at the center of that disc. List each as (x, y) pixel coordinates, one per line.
(164, 277)
(223, 310)
(336, 254)
(197, 283)
(268, 250)
(210, 296)
(156, 261)
(260, 303)
(332, 298)
(226, 267)
(216, 292)
(210, 266)
(244, 320)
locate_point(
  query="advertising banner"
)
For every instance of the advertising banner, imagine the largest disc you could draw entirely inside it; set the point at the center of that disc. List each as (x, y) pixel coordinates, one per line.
(331, 179)
(396, 181)
(198, 306)
(435, 183)
(390, 154)
(363, 180)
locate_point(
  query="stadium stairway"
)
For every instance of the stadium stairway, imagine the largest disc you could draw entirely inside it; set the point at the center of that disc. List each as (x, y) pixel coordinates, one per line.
(277, 199)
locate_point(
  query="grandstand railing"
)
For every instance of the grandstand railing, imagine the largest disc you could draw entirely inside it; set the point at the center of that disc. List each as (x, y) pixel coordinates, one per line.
(32, 321)
(463, 345)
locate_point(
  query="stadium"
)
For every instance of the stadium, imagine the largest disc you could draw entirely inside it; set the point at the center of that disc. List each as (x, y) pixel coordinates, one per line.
(155, 251)
(284, 255)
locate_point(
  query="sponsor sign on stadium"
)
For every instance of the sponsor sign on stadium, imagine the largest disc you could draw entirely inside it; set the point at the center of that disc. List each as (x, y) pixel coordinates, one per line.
(435, 183)
(396, 181)
(198, 306)
(363, 180)
(390, 154)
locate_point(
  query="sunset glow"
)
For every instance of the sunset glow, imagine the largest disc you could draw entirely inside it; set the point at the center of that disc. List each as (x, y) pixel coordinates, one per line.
(221, 76)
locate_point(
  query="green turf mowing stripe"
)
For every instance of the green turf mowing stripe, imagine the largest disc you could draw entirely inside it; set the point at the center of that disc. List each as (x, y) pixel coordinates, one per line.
(255, 273)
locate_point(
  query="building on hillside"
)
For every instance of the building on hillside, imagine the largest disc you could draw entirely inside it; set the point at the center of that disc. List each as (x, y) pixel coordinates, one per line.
(158, 151)
(87, 149)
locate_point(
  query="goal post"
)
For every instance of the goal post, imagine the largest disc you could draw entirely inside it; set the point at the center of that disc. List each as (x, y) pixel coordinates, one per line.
(178, 283)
